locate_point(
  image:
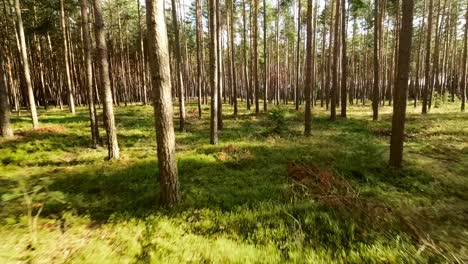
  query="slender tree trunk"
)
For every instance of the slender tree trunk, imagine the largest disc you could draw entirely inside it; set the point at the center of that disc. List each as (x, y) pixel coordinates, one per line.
(142, 57)
(89, 73)
(375, 90)
(344, 60)
(178, 67)
(309, 63)
(233, 57)
(102, 60)
(401, 85)
(265, 59)
(465, 55)
(244, 56)
(213, 72)
(427, 74)
(163, 109)
(255, 55)
(200, 56)
(25, 64)
(298, 55)
(336, 53)
(71, 100)
(6, 130)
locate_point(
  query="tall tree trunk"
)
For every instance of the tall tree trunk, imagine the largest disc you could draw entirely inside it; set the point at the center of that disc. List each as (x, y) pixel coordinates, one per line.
(309, 63)
(298, 55)
(233, 57)
(465, 55)
(142, 57)
(375, 90)
(89, 73)
(265, 59)
(71, 100)
(200, 54)
(213, 72)
(255, 55)
(336, 54)
(427, 73)
(5, 125)
(244, 55)
(25, 64)
(401, 85)
(178, 67)
(163, 109)
(344, 60)
(103, 64)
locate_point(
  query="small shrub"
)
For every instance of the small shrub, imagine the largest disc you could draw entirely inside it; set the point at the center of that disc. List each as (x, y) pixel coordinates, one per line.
(278, 117)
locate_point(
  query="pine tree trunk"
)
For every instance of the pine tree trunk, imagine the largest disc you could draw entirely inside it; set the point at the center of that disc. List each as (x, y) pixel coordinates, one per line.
(200, 56)
(344, 60)
(178, 67)
(427, 74)
(103, 64)
(309, 63)
(465, 55)
(89, 73)
(213, 72)
(401, 85)
(71, 100)
(6, 130)
(25, 64)
(336, 53)
(163, 109)
(256, 82)
(375, 90)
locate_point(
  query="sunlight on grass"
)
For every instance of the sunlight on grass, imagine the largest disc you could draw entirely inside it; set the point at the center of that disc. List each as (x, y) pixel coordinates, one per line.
(239, 205)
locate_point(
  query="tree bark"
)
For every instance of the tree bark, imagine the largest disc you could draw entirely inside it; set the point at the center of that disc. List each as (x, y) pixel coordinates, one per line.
(465, 55)
(336, 53)
(427, 74)
(89, 74)
(6, 130)
(376, 90)
(178, 67)
(103, 64)
(401, 85)
(309, 63)
(25, 64)
(213, 72)
(344, 60)
(163, 109)
(71, 100)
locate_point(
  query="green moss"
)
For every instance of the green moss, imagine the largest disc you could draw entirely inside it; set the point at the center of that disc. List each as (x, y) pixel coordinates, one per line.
(239, 206)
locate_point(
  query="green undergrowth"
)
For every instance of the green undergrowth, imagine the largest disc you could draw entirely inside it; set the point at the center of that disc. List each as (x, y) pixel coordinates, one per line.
(239, 204)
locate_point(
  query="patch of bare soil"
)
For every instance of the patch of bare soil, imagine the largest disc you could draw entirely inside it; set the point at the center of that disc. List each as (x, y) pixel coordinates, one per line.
(44, 130)
(233, 154)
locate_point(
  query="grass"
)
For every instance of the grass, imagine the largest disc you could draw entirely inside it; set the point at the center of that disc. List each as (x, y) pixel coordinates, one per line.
(239, 205)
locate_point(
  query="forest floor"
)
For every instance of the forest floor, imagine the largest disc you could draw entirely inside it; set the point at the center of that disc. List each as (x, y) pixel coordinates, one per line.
(265, 194)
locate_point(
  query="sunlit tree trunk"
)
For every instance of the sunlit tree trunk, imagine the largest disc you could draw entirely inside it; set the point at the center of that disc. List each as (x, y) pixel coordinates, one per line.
(178, 67)
(71, 100)
(89, 73)
(103, 65)
(465, 55)
(213, 72)
(25, 65)
(163, 109)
